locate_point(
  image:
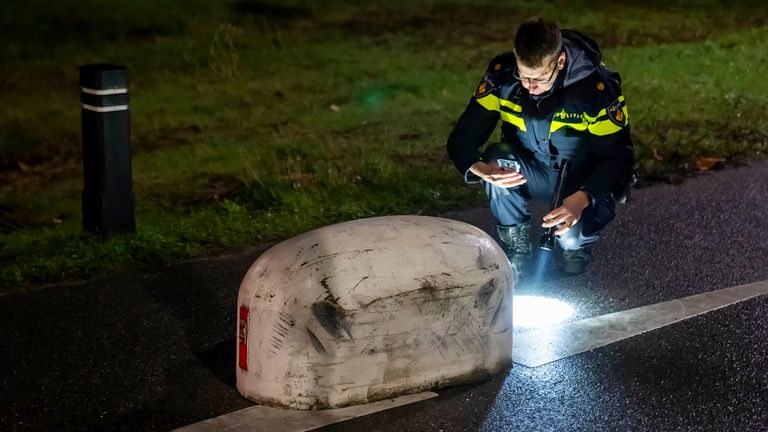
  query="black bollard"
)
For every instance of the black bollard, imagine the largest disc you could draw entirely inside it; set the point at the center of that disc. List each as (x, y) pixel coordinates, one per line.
(108, 201)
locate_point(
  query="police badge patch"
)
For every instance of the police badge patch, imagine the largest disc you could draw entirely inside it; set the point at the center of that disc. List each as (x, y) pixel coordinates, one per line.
(484, 88)
(616, 114)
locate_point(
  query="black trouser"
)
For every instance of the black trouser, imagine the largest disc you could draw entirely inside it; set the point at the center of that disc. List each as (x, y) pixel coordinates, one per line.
(510, 205)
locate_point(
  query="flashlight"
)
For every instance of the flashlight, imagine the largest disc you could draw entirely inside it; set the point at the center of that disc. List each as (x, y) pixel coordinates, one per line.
(547, 241)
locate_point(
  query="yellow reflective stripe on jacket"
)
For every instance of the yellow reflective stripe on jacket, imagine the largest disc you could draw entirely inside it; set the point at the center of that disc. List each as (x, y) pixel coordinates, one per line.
(555, 125)
(493, 103)
(591, 124)
(489, 102)
(605, 127)
(514, 120)
(511, 105)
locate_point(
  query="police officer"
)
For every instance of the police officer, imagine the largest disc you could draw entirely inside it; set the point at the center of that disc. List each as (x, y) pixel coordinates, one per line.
(556, 102)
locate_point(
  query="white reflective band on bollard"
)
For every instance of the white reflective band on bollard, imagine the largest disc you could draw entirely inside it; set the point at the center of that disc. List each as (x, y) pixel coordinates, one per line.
(106, 92)
(370, 309)
(104, 109)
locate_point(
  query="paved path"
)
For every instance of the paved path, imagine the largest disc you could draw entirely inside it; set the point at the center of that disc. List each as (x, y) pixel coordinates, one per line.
(156, 351)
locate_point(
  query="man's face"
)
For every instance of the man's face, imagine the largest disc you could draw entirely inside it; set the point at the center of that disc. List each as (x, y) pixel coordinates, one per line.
(540, 79)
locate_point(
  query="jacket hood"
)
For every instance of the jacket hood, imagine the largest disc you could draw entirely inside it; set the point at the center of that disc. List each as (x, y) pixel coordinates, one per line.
(582, 56)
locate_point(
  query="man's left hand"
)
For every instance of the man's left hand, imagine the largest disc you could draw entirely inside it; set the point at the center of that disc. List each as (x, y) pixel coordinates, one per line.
(567, 214)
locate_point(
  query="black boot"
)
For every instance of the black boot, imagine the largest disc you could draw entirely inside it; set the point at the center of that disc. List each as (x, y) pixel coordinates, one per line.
(516, 242)
(575, 262)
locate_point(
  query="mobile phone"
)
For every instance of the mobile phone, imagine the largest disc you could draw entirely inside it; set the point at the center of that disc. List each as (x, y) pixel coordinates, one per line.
(507, 164)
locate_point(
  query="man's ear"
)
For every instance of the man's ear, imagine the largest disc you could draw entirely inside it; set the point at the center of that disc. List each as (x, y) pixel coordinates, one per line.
(561, 61)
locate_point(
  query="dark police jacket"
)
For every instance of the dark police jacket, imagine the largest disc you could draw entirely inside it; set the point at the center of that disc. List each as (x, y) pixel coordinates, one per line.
(583, 118)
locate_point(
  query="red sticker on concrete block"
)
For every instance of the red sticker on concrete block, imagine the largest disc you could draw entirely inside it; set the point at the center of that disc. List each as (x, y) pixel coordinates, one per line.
(242, 338)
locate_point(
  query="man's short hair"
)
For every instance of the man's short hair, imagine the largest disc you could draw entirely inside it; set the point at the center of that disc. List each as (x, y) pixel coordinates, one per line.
(537, 41)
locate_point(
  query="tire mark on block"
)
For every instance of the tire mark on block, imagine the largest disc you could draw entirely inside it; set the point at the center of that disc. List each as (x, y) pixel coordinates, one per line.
(333, 255)
(485, 292)
(499, 307)
(316, 342)
(333, 319)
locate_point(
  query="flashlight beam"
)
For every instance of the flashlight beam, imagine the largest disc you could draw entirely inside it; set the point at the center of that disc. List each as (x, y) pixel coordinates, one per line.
(541, 346)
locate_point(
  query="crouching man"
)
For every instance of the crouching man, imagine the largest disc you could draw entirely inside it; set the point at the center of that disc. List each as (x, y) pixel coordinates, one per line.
(556, 102)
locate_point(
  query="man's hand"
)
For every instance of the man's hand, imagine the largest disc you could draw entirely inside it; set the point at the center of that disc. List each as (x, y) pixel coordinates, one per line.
(567, 214)
(497, 176)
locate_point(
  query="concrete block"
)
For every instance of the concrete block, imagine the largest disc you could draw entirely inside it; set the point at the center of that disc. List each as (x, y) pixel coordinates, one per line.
(371, 309)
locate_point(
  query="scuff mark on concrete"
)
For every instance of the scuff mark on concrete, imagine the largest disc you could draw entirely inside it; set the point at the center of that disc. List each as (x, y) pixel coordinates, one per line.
(427, 287)
(485, 263)
(499, 307)
(262, 272)
(329, 256)
(329, 294)
(428, 284)
(485, 292)
(440, 344)
(280, 329)
(316, 342)
(318, 259)
(358, 283)
(333, 318)
(287, 319)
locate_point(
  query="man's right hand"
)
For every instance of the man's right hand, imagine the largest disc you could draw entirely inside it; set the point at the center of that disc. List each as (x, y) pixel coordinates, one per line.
(497, 176)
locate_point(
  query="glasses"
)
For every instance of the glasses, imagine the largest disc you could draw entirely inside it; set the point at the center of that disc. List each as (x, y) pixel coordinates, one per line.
(539, 81)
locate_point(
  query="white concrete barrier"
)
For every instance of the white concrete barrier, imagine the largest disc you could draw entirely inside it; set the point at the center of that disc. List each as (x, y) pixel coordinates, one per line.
(373, 308)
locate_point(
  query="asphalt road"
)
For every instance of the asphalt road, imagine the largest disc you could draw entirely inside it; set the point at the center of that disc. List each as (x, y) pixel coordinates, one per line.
(154, 350)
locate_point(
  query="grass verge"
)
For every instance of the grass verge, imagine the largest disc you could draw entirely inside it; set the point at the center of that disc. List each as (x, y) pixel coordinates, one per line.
(254, 121)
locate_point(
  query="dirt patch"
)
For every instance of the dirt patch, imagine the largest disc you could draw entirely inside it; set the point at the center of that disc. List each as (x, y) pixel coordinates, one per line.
(204, 189)
(676, 149)
(26, 173)
(63, 160)
(167, 138)
(223, 186)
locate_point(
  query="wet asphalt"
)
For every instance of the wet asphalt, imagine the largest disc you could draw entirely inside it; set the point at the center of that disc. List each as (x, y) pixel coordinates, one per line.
(153, 349)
